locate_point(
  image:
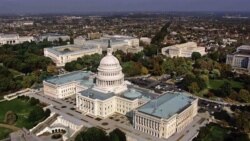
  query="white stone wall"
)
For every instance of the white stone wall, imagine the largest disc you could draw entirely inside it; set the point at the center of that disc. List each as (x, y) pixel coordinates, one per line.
(147, 124)
(50, 90)
(105, 108)
(164, 128)
(62, 59)
(183, 50)
(123, 106)
(62, 91)
(14, 39)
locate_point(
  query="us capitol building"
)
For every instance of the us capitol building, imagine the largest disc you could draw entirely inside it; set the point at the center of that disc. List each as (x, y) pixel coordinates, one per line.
(106, 93)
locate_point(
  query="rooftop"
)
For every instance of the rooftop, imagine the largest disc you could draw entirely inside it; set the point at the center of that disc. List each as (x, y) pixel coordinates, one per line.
(185, 45)
(69, 49)
(132, 94)
(166, 105)
(96, 95)
(243, 50)
(53, 34)
(104, 41)
(244, 47)
(2, 35)
(81, 76)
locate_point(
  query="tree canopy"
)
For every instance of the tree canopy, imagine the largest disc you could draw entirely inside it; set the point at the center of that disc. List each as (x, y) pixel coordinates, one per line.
(96, 134)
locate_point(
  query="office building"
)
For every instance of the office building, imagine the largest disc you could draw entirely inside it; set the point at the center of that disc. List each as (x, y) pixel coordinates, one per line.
(183, 50)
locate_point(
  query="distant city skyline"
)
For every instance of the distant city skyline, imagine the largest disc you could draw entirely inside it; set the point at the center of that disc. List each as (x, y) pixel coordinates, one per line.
(86, 6)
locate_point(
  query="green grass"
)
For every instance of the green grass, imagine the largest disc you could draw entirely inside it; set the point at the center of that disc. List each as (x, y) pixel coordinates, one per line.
(4, 133)
(212, 132)
(216, 133)
(216, 84)
(21, 108)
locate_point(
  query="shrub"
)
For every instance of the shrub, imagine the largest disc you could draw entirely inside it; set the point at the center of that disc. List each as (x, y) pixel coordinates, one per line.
(10, 117)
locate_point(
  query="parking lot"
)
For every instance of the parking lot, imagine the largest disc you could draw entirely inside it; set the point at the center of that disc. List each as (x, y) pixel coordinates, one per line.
(157, 85)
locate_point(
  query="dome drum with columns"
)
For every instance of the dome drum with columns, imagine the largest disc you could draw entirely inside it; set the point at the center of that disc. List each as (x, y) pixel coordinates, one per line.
(110, 77)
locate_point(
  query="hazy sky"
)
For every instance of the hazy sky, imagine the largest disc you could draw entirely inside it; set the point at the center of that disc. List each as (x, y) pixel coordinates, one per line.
(67, 6)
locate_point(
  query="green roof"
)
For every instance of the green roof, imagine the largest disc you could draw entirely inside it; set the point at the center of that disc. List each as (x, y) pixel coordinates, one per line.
(166, 105)
(93, 94)
(81, 76)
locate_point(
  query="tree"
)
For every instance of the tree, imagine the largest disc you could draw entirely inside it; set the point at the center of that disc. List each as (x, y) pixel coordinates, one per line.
(215, 73)
(168, 65)
(157, 69)
(234, 95)
(243, 121)
(10, 117)
(194, 87)
(226, 70)
(137, 56)
(214, 55)
(47, 112)
(52, 69)
(202, 81)
(150, 50)
(195, 55)
(117, 135)
(33, 101)
(131, 68)
(113, 137)
(71, 40)
(188, 79)
(36, 114)
(226, 89)
(159, 37)
(60, 41)
(205, 78)
(92, 134)
(144, 70)
(244, 95)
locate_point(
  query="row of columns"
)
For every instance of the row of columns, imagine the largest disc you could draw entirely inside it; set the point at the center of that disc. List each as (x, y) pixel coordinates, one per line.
(86, 105)
(109, 73)
(104, 83)
(148, 123)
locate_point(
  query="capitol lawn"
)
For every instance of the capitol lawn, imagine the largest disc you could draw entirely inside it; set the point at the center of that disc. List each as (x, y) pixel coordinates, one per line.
(212, 132)
(21, 107)
(217, 83)
(4, 132)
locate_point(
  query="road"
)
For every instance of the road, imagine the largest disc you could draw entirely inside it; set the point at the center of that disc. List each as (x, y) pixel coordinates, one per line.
(218, 102)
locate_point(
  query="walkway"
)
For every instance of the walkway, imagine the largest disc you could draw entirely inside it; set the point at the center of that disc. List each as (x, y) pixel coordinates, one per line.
(14, 128)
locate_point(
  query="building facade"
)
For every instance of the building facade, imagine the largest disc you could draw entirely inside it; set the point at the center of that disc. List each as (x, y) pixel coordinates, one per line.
(64, 125)
(165, 115)
(12, 39)
(183, 50)
(240, 59)
(64, 54)
(126, 44)
(65, 85)
(51, 37)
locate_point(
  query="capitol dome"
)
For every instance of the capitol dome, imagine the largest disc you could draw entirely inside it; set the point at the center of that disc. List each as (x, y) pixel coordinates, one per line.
(110, 77)
(109, 62)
